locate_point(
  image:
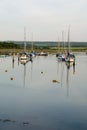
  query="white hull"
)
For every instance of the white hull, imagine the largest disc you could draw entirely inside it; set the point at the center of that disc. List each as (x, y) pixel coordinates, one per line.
(24, 58)
(70, 58)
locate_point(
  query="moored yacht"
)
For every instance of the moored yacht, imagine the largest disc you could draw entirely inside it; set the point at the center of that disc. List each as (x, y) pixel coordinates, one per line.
(69, 57)
(24, 56)
(61, 57)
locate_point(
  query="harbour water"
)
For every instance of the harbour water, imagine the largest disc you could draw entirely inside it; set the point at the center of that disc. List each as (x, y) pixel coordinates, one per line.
(31, 100)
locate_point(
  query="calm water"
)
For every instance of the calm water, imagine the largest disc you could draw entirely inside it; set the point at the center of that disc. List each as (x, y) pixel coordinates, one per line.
(31, 101)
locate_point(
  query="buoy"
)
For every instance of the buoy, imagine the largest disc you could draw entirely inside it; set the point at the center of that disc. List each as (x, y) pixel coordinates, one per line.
(12, 78)
(6, 70)
(54, 81)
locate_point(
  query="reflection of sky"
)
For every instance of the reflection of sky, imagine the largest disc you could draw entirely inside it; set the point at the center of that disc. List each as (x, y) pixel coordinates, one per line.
(42, 102)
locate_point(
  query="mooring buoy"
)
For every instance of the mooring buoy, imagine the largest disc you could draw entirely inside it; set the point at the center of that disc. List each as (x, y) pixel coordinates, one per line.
(12, 78)
(6, 70)
(54, 81)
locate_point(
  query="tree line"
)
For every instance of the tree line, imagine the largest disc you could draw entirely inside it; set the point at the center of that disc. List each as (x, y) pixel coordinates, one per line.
(8, 45)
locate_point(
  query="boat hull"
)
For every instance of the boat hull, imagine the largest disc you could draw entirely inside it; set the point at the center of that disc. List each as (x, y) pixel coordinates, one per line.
(24, 58)
(61, 57)
(70, 58)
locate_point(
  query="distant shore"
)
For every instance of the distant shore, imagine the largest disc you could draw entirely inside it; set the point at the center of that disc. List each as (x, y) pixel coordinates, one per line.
(8, 48)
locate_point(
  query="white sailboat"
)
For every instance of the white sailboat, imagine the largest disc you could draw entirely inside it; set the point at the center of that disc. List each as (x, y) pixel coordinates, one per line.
(24, 56)
(70, 57)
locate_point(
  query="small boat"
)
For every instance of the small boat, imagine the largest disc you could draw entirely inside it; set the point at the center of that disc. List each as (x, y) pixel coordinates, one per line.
(42, 54)
(24, 57)
(70, 57)
(33, 54)
(61, 57)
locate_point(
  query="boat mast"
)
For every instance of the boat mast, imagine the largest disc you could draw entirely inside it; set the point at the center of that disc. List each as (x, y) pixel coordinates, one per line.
(32, 42)
(63, 41)
(69, 40)
(24, 39)
(58, 46)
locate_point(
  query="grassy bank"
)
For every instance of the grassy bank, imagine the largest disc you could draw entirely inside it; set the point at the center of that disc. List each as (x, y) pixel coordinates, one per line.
(50, 50)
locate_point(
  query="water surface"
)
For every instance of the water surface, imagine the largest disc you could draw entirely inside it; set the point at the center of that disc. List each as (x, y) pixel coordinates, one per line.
(33, 101)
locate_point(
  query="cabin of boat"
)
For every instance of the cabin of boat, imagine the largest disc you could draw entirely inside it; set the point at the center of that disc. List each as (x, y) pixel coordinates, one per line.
(61, 57)
(23, 56)
(70, 57)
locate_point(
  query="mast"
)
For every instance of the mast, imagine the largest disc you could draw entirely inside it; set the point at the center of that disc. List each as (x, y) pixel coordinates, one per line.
(69, 40)
(32, 42)
(58, 46)
(24, 39)
(63, 41)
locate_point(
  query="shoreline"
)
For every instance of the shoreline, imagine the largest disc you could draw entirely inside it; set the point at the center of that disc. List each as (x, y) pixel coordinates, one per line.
(16, 51)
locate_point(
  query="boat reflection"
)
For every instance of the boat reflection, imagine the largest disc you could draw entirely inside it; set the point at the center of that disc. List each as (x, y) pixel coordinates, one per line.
(67, 81)
(24, 74)
(74, 68)
(13, 61)
(62, 73)
(69, 65)
(23, 61)
(12, 64)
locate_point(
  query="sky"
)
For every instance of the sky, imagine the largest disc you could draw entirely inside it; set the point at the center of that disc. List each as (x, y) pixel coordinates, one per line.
(44, 20)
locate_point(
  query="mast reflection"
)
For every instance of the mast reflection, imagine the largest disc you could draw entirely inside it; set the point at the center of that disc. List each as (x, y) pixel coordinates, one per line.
(24, 74)
(74, 68)
(13, 61)
(31, 73)
(23, 62)
(62, 73)
(69, 64)
(67, 80)
(31, 69)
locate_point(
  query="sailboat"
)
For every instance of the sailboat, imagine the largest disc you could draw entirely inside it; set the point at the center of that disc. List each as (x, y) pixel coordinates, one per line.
(61, 56)
(24, 56)
(70, 57)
